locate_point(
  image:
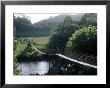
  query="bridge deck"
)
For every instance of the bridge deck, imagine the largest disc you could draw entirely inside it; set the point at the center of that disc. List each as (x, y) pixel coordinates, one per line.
(73, 60)
(36, 49)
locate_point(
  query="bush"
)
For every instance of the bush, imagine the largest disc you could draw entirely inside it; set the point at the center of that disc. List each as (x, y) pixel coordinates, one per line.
(84, 41)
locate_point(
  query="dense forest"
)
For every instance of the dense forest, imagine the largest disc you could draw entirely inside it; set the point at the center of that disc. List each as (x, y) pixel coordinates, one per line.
(74, 36)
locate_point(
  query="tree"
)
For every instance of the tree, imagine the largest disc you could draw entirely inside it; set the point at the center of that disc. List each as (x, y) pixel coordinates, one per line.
(60, 35)
(83, 41)
(23, 26)
(89, 19)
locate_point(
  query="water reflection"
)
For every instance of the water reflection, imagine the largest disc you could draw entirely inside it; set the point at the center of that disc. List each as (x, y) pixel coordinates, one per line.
(39, 67)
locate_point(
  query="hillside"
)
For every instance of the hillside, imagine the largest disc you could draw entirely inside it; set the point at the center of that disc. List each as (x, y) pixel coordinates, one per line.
(24, 27)
(60, 18)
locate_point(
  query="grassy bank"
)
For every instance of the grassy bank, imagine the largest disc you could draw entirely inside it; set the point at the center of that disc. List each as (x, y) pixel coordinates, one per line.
(40, 42)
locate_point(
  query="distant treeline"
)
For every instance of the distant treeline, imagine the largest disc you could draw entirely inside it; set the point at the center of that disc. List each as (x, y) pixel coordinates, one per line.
(24, 28)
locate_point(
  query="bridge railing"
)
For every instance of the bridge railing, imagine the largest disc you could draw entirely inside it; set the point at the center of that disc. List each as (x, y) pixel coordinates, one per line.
(76, 61)
(67, 58)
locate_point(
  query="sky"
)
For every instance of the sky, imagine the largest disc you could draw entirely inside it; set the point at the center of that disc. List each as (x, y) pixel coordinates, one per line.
(36, 17)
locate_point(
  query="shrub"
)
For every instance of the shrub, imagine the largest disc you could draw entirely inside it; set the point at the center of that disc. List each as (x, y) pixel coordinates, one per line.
(84, 41)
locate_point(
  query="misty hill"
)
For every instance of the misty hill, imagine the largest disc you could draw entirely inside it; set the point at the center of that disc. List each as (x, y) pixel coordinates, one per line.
(45, 25)
(59, 18)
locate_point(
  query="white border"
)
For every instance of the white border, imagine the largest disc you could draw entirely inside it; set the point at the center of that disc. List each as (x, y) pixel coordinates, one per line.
(101, 14)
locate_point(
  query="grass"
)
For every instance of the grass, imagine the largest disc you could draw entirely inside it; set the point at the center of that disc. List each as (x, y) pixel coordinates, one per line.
(40, 41)
(20, 48)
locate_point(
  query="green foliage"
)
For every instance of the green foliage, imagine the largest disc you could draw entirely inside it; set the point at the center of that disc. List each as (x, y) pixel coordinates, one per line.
(29, 54)
(39, 42)
(19, 47)
(22, 24)
(83, 40)
(60, 35)
(62, 66)
(16, 70)
(22, 20)
(24, 27)
(89, 19)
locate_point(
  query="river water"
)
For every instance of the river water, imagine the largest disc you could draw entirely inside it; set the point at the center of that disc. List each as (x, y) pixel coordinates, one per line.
(34, 68)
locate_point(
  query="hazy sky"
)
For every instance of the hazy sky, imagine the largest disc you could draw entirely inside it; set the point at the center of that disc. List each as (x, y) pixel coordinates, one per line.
(37, 17)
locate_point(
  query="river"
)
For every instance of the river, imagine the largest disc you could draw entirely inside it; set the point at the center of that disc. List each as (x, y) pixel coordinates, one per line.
(34, 68)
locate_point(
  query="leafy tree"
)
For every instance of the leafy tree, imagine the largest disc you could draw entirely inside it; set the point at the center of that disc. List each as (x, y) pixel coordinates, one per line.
(60, 35)
(23, 26)
(84, 41)
(89, 19)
